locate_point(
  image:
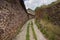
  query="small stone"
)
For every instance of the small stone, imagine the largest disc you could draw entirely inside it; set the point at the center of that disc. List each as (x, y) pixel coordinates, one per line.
(1, 31)
(0, 11)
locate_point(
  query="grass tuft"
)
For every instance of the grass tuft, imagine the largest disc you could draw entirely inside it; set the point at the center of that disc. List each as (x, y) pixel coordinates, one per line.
(27, 35)
(33, 31)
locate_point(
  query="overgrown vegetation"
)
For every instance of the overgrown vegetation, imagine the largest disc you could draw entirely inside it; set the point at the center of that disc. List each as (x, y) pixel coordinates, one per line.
(49, 30)
(50, 12)
(33, 31)
(48, 20)
(18, 30)
(27, 35)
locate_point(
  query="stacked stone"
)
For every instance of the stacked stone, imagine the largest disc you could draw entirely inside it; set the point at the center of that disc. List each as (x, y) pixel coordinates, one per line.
(12, 17)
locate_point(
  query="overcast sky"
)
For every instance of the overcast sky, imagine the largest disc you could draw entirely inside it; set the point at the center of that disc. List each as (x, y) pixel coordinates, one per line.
(32, 4)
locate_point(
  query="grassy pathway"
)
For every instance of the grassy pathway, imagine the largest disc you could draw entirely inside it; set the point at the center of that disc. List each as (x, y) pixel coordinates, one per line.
(30, 32)
(27, 35)
(30, 24)
(34, 34)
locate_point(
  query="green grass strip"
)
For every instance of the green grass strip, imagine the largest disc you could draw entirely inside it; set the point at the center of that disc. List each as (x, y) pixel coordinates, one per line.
(33, 31)
(27, 35)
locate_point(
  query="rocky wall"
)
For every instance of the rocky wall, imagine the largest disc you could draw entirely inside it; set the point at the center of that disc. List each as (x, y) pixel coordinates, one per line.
(12, 17)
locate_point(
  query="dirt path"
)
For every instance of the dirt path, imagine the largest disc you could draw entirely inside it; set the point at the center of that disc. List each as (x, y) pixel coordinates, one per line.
(39, 35)
(31, 34)
(22, 35)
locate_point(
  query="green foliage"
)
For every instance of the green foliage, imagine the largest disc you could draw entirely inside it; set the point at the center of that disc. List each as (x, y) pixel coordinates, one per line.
(19, 30)
(49, 34)
(50, 15)
(38, 24)
(37, 8)
(27, 35)
(33, 31)
(50, 12)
